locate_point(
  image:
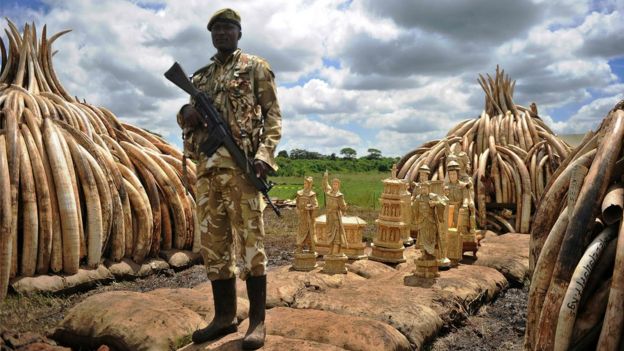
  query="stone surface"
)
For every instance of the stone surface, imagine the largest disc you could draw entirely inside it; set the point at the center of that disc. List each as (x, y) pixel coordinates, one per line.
(40, 346)
(199, 301)
(369, 269)
(17, 340)
(507, 253)
(417, 312)
(348, 332)
(283, 284)
(233, 342)
(57, 284)
(126, 320)
(180, 259)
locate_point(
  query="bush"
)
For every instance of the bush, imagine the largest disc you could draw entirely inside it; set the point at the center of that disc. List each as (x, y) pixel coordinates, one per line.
(299, 167)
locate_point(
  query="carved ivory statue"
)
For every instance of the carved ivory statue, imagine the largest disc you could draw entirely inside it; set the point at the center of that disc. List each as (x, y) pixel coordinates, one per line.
(307, 204)
(428, 212)
(464, 172)
(458, 196)
(457, 192)
(335, 206)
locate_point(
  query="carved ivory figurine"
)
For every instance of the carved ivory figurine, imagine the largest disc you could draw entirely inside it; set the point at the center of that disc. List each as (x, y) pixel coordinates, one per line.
(465, 169)
(458, 195)
(307, 204)
(427, 211)
(335, 206)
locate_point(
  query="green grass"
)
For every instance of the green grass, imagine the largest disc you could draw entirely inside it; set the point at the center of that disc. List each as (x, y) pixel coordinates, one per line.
(360, 189)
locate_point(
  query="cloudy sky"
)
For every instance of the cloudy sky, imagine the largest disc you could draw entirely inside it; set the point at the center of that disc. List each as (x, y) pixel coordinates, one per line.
(386, 74)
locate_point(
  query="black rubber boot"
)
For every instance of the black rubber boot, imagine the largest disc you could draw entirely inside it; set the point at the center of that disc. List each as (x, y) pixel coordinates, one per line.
(224, 321)
(256, 291)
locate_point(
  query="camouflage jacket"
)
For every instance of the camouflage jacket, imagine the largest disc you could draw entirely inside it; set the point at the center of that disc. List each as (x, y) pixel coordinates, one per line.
(244, 92)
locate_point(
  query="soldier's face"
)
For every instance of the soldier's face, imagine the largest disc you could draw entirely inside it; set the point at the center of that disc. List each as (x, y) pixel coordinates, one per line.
(335, 186)
(225, 36)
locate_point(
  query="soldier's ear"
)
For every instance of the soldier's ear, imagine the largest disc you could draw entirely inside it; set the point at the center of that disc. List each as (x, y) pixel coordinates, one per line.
(240, 35)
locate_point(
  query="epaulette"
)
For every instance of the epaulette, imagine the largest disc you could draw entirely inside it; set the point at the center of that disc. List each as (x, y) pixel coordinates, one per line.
(257, 61)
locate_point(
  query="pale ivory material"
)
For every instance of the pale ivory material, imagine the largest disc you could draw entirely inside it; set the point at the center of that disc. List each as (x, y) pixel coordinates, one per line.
(570, 305)
(335, 207)
(391, 227)
(430, 220)
(458, 222)
(354, 230)
(307, 205)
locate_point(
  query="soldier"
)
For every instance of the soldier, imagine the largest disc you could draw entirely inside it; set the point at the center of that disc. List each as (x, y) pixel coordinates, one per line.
(336, 205)
(307, 204)
(243, 89)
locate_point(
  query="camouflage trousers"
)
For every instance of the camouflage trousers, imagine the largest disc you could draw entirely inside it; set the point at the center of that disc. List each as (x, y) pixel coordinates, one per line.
(230, 209)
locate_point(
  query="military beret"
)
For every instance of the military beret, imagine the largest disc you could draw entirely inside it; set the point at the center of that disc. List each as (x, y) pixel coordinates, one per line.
(225, 15)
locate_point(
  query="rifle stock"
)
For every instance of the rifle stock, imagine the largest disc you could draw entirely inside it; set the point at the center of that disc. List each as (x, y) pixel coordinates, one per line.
(220, 131)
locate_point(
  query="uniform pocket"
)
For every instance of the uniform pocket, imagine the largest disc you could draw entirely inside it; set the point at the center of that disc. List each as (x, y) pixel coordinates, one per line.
(257, 203)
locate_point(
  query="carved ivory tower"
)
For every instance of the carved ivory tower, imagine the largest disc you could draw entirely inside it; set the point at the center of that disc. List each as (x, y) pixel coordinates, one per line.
(391, 229)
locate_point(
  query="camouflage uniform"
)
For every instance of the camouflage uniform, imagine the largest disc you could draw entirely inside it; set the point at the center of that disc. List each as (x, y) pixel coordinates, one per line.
(244, 92)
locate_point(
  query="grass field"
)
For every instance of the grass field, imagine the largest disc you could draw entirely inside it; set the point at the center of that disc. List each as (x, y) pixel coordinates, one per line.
(360, 189)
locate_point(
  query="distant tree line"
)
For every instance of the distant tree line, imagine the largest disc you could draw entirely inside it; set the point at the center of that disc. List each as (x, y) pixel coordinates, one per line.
(299, 162)
(347, 153)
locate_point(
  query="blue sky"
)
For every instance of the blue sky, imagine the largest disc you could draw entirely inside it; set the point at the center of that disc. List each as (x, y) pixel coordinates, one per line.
(363, 73)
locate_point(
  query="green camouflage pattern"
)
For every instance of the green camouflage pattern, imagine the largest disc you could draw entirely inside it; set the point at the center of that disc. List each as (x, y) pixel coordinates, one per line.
(229, 205)
(243, 91)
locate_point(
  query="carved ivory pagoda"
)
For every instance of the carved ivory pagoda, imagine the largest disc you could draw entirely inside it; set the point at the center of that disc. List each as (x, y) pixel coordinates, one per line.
(392, 229)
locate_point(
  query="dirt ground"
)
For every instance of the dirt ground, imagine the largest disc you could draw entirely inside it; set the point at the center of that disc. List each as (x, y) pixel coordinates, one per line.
(499, 326)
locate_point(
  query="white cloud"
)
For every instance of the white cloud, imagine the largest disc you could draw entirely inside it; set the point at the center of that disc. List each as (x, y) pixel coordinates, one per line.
(589, 116)
(400, 74)
(317, 136)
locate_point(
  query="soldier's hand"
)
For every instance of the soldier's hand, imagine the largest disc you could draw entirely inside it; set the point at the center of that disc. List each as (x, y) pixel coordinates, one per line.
(262, 169)
(191, 116)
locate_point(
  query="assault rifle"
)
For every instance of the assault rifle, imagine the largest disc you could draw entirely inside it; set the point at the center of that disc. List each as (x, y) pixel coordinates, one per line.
(220, 134)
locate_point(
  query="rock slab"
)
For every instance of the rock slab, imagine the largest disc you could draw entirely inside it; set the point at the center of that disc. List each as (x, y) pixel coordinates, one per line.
(199, 301)
(233, 342)
(508, 254)
(348, 332)
(127, 320)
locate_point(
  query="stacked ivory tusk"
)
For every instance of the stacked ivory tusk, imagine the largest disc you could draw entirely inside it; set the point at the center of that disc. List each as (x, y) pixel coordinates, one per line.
(512, 152)
(76, 184)
(576, 299)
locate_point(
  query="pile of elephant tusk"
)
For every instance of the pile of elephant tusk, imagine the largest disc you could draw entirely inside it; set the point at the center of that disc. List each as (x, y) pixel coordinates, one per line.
(512, 151)
(76, 184)
(576, 299)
